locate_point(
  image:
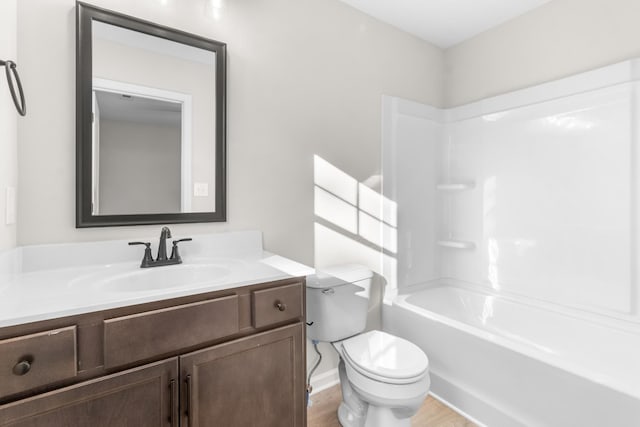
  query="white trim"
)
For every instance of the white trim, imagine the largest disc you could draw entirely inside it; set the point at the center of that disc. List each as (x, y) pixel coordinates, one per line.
(493, 415)
(324, 380)
(185, 99)
(635, 206)
(95, 155)
(186, 175)
(454, 408)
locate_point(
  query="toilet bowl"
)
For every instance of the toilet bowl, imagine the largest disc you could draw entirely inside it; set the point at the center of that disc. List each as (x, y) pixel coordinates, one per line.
(384, 378)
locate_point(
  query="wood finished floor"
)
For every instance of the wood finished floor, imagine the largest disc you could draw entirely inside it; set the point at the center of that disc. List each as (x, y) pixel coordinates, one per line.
(431, 414)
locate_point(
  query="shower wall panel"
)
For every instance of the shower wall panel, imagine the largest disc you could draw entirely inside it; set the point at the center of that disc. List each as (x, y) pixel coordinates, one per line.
(532, 193)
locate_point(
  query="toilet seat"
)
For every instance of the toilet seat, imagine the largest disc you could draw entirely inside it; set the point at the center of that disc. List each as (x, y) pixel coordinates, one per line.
(386, 358)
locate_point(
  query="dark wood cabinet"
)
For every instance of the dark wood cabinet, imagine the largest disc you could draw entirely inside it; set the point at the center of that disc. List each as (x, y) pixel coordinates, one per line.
(140, 397)
(35, 360)
(154, 333)
(257, 381)
(231, 358)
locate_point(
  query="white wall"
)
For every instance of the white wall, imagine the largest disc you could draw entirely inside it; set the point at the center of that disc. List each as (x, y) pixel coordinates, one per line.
(8, 119)
(412, 139)
(551, 209)
(558, 39)
(551, 213)
(305, 78)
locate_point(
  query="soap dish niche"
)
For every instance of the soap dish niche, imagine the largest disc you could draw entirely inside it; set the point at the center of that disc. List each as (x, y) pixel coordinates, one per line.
(455, 186)
(456, 244)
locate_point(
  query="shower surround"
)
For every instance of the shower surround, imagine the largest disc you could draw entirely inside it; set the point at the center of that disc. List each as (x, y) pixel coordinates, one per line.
(518, 230)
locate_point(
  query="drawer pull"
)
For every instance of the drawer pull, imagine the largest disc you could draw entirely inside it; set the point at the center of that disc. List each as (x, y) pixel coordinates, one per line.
(278, 304)
(187, 410)
(173, 416)
(23, 367)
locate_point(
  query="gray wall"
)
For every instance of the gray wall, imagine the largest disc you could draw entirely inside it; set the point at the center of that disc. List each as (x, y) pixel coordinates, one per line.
(558, 39)
(139, 168)
(305, 77)
(8, 119)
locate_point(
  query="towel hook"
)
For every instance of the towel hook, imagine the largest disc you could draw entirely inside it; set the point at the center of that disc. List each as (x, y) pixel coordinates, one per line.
(10, 67)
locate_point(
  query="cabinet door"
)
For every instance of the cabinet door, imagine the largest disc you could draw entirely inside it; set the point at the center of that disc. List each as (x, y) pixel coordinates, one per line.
(141, 397)
(257, 381)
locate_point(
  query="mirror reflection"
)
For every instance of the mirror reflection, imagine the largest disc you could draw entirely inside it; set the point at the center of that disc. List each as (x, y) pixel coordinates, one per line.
(153, 131)
(136, 140)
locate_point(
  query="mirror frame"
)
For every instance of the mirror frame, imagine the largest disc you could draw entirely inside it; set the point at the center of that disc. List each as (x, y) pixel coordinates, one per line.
(85, 14)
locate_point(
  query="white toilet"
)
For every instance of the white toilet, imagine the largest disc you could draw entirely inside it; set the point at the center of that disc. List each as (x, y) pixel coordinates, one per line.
(384, 378)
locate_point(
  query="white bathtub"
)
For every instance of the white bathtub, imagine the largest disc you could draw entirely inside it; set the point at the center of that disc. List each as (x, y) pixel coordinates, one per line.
(508, 363)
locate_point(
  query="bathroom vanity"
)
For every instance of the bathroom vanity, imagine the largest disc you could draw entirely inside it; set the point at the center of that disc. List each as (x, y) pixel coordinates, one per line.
(227, 353)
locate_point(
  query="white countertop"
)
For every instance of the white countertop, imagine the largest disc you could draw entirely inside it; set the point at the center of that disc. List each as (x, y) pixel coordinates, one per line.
(51, 281)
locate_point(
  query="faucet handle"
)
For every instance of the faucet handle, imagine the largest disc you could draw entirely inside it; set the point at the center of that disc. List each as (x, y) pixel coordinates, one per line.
(186, 239)
(148, 258)
(174, 250)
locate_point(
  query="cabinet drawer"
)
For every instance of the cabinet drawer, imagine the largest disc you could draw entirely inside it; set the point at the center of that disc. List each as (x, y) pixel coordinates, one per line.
(35, 360)
(275, 305)
(141, 397)
(154, 333)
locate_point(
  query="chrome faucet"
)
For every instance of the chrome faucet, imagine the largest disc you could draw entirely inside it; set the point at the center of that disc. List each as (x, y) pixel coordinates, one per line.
(161, 259)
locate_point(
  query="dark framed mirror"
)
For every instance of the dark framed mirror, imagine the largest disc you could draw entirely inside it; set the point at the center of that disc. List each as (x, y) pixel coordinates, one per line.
(150, 123)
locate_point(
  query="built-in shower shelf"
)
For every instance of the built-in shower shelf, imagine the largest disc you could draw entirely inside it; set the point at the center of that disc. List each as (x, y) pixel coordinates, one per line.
(456, 244)
(459, 186)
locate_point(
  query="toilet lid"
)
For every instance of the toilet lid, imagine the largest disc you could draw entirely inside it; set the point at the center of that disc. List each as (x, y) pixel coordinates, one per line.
(385, 355)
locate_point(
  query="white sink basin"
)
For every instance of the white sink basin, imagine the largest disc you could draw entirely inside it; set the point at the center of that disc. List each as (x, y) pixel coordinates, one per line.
(157, 278)
(167, 277)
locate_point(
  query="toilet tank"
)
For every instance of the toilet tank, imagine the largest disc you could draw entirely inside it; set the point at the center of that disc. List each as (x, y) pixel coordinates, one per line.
(337, 302)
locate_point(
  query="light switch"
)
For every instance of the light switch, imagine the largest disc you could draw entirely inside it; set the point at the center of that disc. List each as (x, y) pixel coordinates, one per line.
(11, 208)
(200, 189)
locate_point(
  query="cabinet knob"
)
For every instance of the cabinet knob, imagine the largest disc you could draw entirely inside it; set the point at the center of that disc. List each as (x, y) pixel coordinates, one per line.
(280, 306)
(22, 367)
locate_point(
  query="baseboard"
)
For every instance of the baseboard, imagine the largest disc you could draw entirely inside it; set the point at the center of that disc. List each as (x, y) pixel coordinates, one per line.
(447, 392)
(324, 380)
(457, 397)
(456, 409)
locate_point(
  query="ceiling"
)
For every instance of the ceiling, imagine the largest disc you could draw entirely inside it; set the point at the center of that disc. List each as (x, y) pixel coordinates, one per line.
(445, 23)
(138, 109)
